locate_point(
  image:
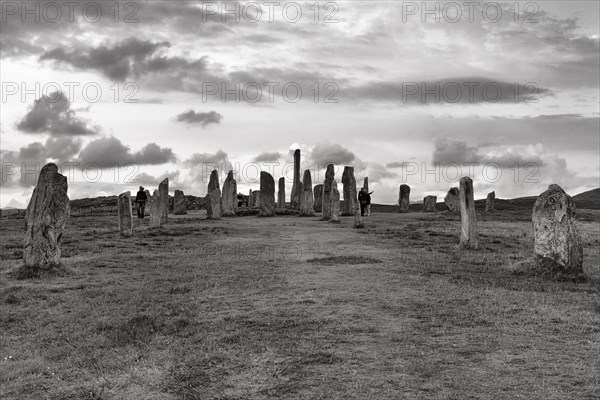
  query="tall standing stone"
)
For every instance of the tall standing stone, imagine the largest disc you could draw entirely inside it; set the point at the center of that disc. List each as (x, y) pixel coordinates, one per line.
(255, 198)
(281, 193)
(489, 202)
(46, 216)
(403, 198)
(213, 197)
(229, 199)
(452, 200)
(266, 203)
(307, 203)
(155, 211)
(557, 243)
(297, 187)
(468, 234)
(318, 195)
(163, 194)
(358, 219)
(335, 203)
(125, 214)
(429, 204)
(179, 207)
(329, 175)
(366, 183)
(349, 188)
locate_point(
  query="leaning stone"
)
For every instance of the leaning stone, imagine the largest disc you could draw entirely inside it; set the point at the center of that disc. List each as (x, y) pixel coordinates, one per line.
(266, 203)
(281, 193)
(179, 207)
(452, 200)
(297, 187)
(403, 198)
(429, 204)
(307, 203)
(335, 203)
(489, 202)
(229, 195)
(125, 214)
(163, 193)
(213, 197)
(45, 219)
(329, 175)
(318, 196)
(469, 238)
(557, 243)
(349, 188)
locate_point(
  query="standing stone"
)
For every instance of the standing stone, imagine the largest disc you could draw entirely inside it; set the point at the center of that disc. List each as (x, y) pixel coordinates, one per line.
(318, 195)
(155, 213)
(229, 199)
(358, 219)
(213, 197)
(335, 203)
(557, 243)
(489, 202)
(281, 193)
(429, 204)
(163, 193)
(125, 214)
(266, 203)
(46, 216)
(349, 188)
(307, 203)
(404, 198)
(297, 187)
(366, 183)
(179, 207)
(468, 235)
(329, 175)
(255, 198)
(452, 200)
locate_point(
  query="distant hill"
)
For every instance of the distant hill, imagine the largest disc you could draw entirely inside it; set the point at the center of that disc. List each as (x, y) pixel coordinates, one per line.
(589, 199)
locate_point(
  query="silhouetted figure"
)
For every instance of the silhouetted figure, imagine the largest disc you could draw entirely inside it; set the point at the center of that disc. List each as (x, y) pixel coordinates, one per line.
(364, 198)
(140, 199)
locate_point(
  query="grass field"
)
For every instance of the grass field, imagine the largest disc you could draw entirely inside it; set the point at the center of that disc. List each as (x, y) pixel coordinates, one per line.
(293, 308)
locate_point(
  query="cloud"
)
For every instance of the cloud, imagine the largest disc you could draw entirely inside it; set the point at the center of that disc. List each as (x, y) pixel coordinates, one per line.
(130, 58)
(146, 179)
(108, 151)
(323, 154)
(268, 157)
(449, 151)
(199, 118)
(53, 114)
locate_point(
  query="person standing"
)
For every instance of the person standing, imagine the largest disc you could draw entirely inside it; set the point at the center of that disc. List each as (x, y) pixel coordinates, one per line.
(362, 199)
(140, 199)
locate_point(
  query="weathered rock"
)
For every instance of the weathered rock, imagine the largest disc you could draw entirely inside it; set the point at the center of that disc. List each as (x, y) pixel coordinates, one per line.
(403, 198)
(163, 194)
(213, 197)
(468, 234)
(489, 202)
(281, 193)
(307, 203)
(318, 196)
(366, 183)
(329, 175)
(179, 207)
(557, 243)
(229, 196)
(349, 188)
(429, 204)
(358, 219)
(297, 187)
(125, 214)
(266, 203)
(155, 210)
(335, 203)
(452, 200)
(46, 216)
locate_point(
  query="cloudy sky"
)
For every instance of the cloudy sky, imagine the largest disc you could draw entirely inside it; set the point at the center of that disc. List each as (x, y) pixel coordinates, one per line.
(122, 94)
